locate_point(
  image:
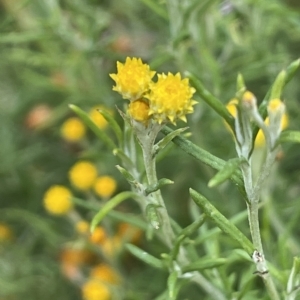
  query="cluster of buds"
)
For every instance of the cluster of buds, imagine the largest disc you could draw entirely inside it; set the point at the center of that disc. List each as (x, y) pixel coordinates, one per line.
(244, 110)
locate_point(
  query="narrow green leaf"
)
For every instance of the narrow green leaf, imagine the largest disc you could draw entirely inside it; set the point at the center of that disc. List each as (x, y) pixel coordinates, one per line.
(241, 216)
(289, 136)
(184, 234)
(205, 157)
(117, 215)
(145, 257)
(211, 100)
(205, 263)
(240, 85)
(167, 139)
(292, 281)
(223, 223)
(278, 85)
(128, 176)
(124, 158)
(226, 172)
(99, 133)
(113, 123)
(108, 206)
(161, 182)
(157, 8)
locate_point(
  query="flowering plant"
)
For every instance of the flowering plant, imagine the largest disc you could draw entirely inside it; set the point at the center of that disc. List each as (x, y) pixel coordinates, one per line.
(152, 106)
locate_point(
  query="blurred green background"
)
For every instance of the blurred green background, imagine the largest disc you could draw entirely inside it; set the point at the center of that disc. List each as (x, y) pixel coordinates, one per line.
(54, 53)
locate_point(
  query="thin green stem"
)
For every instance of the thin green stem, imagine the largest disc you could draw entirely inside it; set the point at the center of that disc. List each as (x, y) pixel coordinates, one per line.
(253, 192)
(147, 140)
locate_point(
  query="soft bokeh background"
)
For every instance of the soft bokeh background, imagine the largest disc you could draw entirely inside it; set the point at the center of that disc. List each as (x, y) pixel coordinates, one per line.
(54, 53)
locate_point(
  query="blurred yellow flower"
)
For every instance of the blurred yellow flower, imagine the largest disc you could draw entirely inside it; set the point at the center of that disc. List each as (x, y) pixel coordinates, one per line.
(139, 110)
(72, 259)
(6, 233)
(83, 175)
(105, 273)
(73, 130)
(111, 246)
(57, 200)
(97, 118)
(94, 289)
(132, 79)
(82, 227)
(98, 236)
(105, 186)
(170, 98)
(129, 233)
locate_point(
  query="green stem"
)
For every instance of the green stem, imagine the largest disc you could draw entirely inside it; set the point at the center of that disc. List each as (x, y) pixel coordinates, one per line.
(253, 193)
(147, 139)
(147, 143)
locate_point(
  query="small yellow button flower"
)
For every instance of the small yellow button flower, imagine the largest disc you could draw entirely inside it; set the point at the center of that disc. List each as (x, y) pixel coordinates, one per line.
(82, 227)
(57, 200)
(83, 175)
(98, 236)
(105, 186)
(97, 118)
(105, 273)
(94, 289)
(139, 110)
(170, 98)
(73, 130)
(133, 78)
(5, 233)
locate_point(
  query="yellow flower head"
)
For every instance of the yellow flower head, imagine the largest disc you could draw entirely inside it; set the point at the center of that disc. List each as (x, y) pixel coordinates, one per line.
(57, 200)
(105, 186)
(82, 227)
(97, 118)
(111, 246)
(139, 110)
(94, 289)
(73, 130)
(170, 98)
(5, 233)
(133, 78)
(105, 273)
(83, 175)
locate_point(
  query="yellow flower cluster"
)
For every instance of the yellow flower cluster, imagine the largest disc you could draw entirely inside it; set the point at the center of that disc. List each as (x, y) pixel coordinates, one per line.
(167, 100)
(84, 176)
